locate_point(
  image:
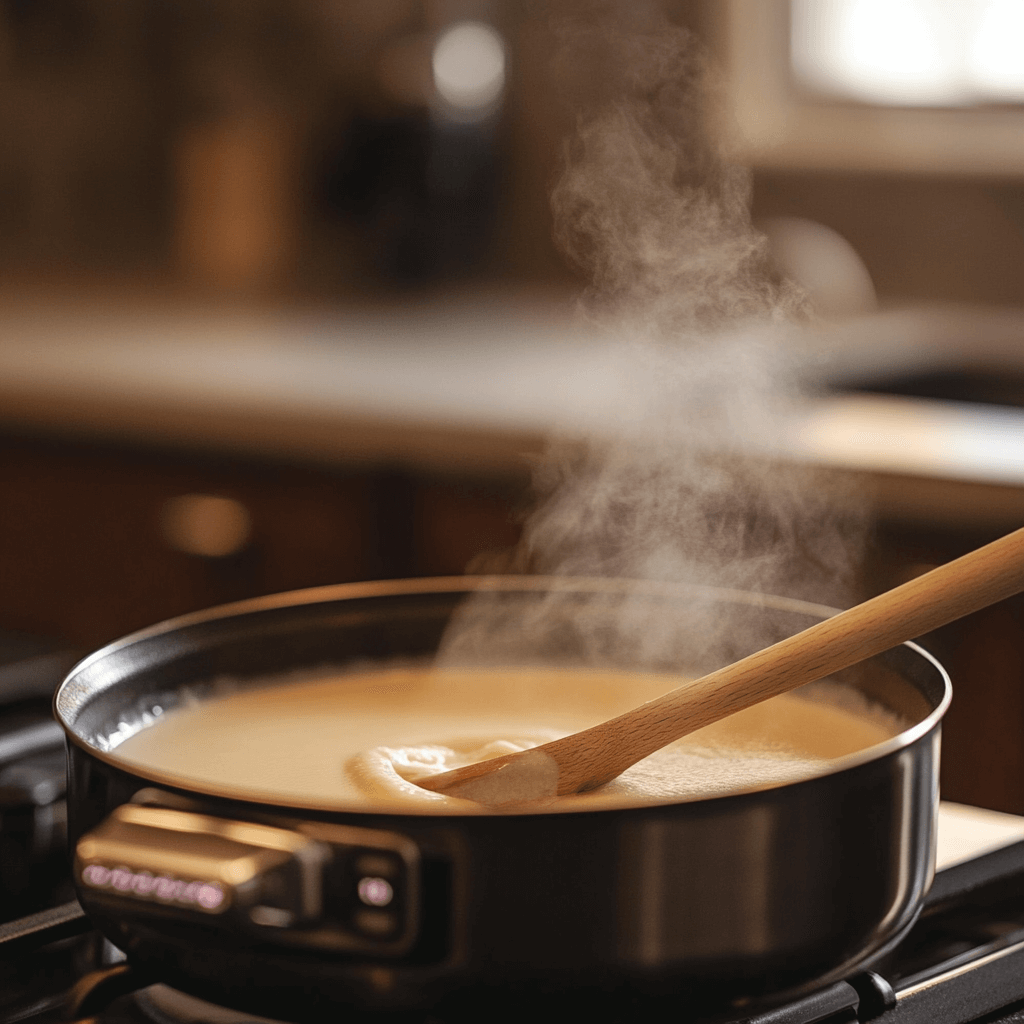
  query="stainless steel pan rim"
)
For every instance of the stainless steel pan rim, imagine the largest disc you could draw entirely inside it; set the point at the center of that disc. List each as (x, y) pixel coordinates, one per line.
(71, 696)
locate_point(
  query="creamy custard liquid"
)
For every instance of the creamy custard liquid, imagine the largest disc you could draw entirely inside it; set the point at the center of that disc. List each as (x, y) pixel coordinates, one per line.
(357, 740)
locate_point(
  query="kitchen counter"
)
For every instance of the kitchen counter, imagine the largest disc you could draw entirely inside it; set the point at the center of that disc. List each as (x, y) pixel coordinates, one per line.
(965, 832)
(476, 388)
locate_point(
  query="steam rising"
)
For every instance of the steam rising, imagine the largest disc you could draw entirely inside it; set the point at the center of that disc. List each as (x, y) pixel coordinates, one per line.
(646, 204)
(685, 484)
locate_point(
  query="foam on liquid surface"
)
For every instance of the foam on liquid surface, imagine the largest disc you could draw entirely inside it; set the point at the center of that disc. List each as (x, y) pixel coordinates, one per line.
(360, 739)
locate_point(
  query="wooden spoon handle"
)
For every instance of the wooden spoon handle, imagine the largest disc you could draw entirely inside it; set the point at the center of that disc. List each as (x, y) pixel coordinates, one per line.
(989, 574)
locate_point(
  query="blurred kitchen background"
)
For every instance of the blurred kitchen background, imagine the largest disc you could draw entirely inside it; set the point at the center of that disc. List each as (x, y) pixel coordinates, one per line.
(280, 306)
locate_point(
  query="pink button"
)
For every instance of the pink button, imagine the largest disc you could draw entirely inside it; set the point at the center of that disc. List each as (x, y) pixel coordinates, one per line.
(96, 874)
(190, 894)
(143, 883)
(210, 896)
(121, 879)
(168, 888)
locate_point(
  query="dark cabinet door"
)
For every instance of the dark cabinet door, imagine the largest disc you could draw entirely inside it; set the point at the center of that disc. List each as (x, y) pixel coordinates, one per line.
(95, 542)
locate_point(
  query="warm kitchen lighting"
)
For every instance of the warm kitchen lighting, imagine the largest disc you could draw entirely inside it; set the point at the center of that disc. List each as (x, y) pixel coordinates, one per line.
(926, 53)
(995, 57)
(469, 69)
(205, 524)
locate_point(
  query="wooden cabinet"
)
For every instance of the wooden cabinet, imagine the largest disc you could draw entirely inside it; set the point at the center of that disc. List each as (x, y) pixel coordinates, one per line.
(983, 731)
(86, 553)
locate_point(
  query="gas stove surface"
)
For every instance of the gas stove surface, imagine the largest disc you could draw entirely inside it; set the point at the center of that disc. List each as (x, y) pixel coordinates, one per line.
(962, 961)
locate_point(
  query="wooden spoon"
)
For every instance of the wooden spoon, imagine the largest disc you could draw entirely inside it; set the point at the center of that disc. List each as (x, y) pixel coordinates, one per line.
(588, 759)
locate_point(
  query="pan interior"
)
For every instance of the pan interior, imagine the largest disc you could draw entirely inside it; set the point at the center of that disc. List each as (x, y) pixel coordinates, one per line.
(132, 685)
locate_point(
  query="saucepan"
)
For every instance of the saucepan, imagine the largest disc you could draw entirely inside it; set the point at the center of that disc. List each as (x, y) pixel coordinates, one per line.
(245, 899)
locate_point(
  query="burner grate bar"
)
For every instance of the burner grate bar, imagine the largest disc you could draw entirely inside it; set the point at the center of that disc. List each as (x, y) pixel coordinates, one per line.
(965, 993)
(37, 930)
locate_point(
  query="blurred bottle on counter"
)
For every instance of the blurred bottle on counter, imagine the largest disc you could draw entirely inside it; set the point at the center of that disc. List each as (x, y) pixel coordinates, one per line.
(408, 158)
(235, 154)
(236, 227)
(370, 158)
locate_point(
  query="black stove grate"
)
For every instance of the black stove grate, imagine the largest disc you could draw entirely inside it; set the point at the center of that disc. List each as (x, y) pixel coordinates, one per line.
(962, 962)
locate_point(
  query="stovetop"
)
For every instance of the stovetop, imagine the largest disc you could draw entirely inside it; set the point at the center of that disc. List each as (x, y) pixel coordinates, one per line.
(963, 961)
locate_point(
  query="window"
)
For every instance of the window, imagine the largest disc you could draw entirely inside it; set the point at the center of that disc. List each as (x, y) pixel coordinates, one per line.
(922, 85)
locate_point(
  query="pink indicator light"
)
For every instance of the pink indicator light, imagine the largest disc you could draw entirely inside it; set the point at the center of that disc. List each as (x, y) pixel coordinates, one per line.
(190, 893)
(210, 896)
(121, 879)
(143, 883)
(375, 892)
(167, 888)
(96, 874)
